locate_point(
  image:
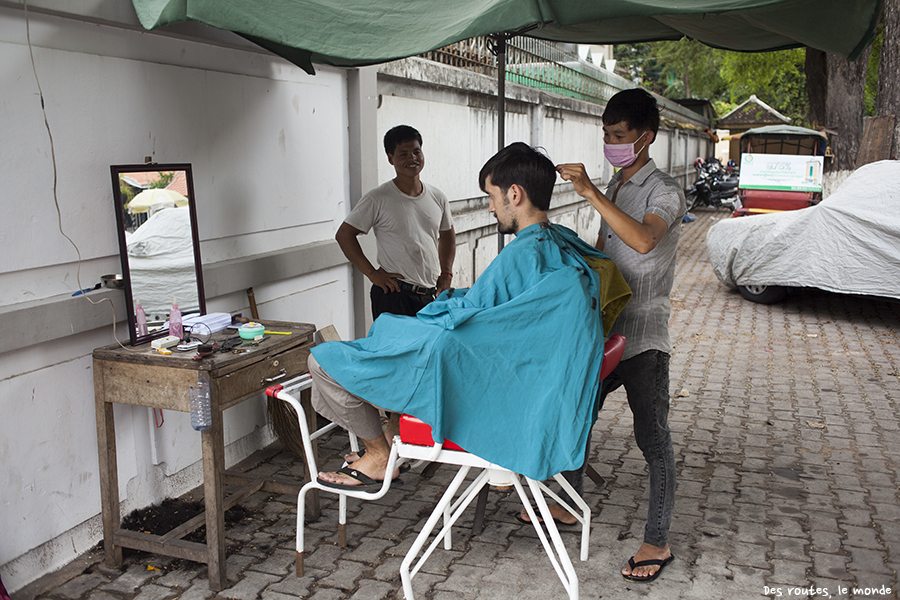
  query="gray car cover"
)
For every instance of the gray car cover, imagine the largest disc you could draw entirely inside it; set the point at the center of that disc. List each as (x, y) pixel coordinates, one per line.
(848, 243)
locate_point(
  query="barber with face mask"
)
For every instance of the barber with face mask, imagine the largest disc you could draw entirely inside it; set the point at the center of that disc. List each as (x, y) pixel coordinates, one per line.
(642, 211)
(622, 154)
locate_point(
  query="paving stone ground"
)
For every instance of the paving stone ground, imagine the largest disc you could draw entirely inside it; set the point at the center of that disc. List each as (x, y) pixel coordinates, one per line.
(787, 439)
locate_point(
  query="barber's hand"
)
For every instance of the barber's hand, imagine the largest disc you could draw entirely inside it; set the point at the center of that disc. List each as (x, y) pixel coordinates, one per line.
(443, 283)
(386, 281)
(576, 173)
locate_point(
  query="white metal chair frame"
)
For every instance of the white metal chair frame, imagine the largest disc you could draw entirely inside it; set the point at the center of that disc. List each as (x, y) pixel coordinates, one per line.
(495, 475)
(285, 393)
(451, 511)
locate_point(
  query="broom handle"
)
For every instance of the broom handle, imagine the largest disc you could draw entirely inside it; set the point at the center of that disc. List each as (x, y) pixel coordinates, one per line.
(253, 310)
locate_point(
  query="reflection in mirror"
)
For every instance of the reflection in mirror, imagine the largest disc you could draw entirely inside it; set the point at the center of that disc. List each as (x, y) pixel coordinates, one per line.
(158, 244)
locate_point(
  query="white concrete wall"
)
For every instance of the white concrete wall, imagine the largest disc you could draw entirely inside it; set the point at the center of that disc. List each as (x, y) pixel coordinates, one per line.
(269, 149)
(459, 139)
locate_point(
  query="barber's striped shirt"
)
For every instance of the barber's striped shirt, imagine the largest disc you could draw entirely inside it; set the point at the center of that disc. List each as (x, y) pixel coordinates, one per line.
(645, 320)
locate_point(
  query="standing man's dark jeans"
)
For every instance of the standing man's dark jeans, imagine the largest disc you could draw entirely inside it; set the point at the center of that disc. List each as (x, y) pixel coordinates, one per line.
(397, 303)
(646, 381)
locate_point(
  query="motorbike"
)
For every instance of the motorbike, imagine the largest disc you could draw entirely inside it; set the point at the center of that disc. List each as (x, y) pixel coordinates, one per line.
(732, 168)
(716, 185)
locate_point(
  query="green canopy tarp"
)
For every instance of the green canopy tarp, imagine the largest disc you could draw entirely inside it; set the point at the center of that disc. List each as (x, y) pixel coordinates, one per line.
(364, 32)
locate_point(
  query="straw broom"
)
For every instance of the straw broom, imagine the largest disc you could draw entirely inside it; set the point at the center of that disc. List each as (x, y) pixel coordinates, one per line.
(284, 421)
(281, 415)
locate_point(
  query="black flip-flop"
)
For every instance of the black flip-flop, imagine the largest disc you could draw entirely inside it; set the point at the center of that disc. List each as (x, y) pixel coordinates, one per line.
(518, 517)
(365, 482)
(647, 563)
(403, 468)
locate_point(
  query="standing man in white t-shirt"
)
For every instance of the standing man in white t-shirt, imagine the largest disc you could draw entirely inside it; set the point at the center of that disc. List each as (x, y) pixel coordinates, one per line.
(413, 232)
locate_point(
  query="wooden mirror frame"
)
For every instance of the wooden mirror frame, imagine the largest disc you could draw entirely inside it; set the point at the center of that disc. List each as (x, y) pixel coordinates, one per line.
(115, 171)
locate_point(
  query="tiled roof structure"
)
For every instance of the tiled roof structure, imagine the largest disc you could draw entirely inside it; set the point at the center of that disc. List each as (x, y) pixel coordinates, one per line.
(179, 183)
(753, 112)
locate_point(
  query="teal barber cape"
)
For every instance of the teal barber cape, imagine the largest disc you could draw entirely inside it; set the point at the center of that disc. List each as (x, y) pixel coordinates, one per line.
(508, 369)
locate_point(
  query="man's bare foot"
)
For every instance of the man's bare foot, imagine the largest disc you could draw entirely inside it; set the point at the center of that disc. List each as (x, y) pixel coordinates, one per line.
(402, 465)
(647, 572)
(352, 457)
(560, 515)
(369, 466)
(393, 429)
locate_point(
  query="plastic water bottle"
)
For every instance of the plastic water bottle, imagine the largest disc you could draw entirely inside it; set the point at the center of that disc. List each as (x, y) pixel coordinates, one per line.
(175, 321)
(201, 414)
(141, 318)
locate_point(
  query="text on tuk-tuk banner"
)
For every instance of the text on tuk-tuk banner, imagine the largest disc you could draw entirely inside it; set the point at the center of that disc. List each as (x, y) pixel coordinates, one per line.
(781, 172)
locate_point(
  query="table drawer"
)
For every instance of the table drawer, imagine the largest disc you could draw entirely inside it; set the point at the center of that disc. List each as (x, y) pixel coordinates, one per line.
(254, 378)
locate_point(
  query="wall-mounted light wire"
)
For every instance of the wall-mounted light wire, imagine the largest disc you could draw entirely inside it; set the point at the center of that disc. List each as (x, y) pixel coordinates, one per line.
(55, 177)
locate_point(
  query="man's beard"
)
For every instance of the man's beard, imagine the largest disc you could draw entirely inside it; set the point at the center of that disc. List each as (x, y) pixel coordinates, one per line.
(513, 225)
(508, 228)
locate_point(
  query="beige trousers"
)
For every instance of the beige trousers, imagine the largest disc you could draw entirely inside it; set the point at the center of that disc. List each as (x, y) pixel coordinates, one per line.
(339, 406)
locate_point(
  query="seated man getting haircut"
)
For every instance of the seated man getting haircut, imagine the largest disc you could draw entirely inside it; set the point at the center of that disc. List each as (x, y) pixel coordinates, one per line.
(501, 368)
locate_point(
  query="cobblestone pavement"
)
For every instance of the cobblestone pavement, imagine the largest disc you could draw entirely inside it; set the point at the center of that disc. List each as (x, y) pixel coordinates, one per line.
(785, 424)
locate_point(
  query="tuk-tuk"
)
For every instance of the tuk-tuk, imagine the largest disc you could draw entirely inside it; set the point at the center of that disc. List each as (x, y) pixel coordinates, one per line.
(781, 169)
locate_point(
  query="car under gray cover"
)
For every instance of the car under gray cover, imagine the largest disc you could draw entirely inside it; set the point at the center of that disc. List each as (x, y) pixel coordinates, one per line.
(848, 243)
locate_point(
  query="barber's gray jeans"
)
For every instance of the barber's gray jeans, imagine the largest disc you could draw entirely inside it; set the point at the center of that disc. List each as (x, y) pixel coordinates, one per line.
(646, 381)
(339, 406)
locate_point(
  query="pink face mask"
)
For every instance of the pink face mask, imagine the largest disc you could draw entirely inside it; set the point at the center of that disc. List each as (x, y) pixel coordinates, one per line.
(622, 155)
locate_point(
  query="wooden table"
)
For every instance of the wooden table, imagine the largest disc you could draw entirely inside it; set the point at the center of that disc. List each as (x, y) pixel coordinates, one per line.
(140, 376)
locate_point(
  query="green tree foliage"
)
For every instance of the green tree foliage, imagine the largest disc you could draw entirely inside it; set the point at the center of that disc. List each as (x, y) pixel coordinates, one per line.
(872, 72)
(777, 78)
(640, 62)
(164, 180)
(126, 190)
(687, 68)
(692, 69)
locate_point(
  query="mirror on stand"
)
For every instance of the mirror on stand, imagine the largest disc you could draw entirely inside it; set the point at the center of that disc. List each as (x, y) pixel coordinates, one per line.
(158, 244)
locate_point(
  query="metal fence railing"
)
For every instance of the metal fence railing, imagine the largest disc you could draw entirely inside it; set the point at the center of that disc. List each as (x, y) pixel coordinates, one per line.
(550, 66)
(534, 63)
(473, 54)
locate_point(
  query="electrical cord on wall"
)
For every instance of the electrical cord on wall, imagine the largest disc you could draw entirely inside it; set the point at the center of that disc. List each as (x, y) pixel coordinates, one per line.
(55, 178)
